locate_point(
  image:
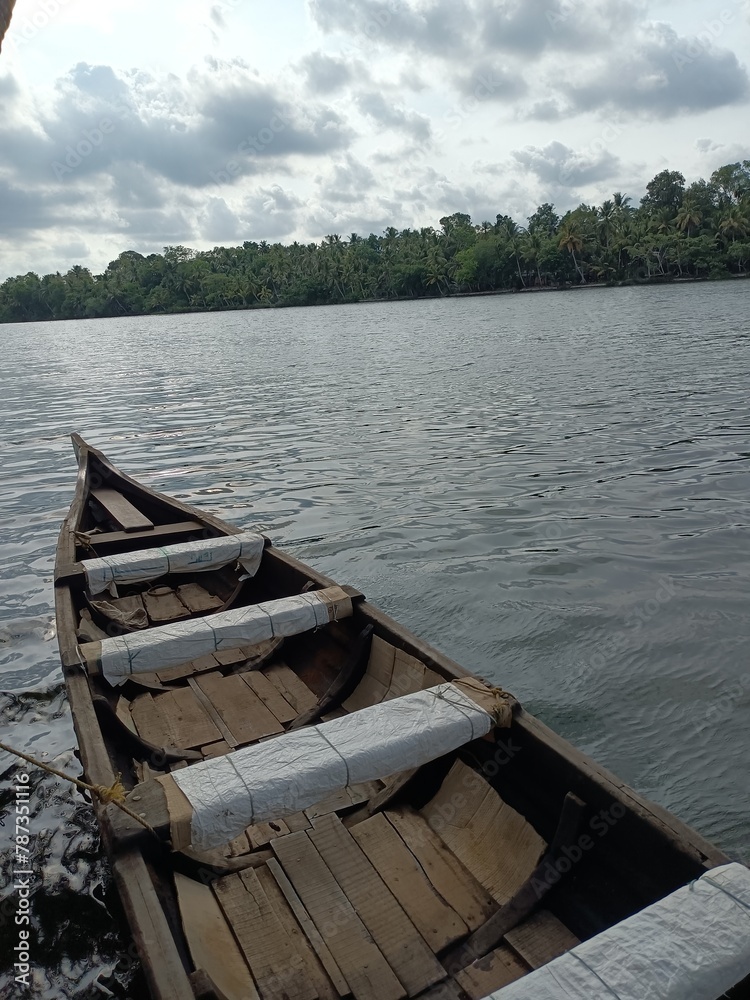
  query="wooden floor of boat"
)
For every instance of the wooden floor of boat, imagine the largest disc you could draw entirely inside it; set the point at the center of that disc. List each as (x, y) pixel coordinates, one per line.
(347, 900)
(362, 911)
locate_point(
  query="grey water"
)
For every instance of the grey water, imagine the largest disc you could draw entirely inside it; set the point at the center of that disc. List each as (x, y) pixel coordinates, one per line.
(554, 489)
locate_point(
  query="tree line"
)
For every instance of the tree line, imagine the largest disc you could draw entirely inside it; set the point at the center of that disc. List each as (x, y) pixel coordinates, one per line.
(678, 231)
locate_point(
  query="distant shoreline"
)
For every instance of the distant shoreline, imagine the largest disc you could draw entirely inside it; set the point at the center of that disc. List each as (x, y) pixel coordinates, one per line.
(588, 286)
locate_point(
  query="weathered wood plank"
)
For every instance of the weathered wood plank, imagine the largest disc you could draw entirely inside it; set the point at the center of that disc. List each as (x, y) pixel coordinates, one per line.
(212, 946)
(497, 844)
(188, 724)
(408, 675)
(311, 932)
(149, 721)
(369, 691)
(122, 511)
(436, 920)
(216, 750)
(199, 666)
(297, 821)
(243, 713)
(212, 713)
(456, 885)
(231, 657)
(197, 599)
(541, 938)
(263, 833)
(501, 967)
(391, 788)
(163, 605)
(295, 691)
(270, 695)
(155, 534)
(344, 798)
(165, 973)
(314, 971)
(356, 954)
(403, 947)
(122, 711)
(275, 963)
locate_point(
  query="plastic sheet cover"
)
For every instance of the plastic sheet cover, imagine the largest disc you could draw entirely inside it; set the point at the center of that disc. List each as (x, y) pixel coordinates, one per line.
(281, 776)
(184, 557)
(693, 945)
(179, 642)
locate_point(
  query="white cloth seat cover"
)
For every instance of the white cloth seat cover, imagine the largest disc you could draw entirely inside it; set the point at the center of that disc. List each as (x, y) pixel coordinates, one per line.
(693, 945)
(283, 775)
(179, 642)
(182, 557)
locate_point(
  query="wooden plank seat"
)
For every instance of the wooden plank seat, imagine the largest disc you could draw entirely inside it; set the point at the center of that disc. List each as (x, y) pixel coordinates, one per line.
(154, 534)
(122, 511)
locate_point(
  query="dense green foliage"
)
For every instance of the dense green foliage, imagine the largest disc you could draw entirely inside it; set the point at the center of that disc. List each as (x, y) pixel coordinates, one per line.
(698, 231)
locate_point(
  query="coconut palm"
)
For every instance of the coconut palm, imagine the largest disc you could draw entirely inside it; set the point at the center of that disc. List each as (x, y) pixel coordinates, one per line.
(734, 223)
(688, 216)
(572, 241)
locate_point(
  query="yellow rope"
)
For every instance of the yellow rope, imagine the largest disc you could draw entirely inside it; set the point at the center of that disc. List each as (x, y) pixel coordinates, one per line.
(115, 793)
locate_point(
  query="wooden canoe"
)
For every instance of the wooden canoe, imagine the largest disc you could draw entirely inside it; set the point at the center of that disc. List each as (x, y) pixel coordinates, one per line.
(448, 880)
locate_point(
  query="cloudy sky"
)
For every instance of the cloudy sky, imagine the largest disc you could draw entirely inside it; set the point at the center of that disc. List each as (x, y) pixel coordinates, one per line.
(132, 124)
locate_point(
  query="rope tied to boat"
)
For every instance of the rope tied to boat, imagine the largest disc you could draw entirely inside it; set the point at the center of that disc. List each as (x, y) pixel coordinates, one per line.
(114, 793)
(501, 710)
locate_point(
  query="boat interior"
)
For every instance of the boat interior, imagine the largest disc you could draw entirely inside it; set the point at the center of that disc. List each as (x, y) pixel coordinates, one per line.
(374, 891)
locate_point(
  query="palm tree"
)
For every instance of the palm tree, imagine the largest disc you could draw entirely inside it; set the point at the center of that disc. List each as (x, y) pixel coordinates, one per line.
(436, 268)
(688, 216)
(512, 233)
(533, 247)
(571, 240)
(734, 223)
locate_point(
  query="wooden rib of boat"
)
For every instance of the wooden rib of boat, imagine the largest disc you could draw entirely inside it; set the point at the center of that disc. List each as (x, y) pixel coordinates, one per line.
(448, 880)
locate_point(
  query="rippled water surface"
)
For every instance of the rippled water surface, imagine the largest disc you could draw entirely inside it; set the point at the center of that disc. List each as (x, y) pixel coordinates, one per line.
(554, 489)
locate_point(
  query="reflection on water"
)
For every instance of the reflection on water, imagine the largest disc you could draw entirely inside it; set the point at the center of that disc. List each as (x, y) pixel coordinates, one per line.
(553, 489)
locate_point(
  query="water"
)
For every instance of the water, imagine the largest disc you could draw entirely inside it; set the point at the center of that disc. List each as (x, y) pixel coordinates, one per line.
(552, 488)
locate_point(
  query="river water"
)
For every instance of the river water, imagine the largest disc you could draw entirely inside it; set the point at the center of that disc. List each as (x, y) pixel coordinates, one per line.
(552, 488)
